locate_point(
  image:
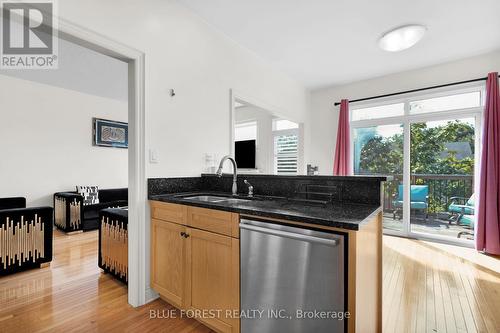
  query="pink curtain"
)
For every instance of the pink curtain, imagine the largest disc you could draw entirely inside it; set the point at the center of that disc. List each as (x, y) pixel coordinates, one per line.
(488, 214)
(342, 157)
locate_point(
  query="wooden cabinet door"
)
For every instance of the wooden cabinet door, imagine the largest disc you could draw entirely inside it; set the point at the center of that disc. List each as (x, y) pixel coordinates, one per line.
(212, 277)
(168, 260)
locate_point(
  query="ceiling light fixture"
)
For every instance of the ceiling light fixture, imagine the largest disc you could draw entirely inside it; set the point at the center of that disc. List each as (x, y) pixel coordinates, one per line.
(402, 38)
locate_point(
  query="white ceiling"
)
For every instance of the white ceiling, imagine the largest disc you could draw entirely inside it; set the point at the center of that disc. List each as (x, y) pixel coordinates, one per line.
(327, 42)
(83, 70)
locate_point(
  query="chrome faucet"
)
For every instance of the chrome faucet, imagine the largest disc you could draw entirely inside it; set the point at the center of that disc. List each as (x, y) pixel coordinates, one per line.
(250, 188)
(235, 171)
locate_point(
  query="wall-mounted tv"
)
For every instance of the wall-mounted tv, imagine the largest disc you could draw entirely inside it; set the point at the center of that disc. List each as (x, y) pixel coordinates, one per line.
(244, 153)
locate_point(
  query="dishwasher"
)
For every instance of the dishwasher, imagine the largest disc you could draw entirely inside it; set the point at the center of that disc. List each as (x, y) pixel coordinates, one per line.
(292, 279)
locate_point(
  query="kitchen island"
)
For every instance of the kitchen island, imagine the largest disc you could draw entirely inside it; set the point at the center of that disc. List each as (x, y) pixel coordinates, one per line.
(199, 264)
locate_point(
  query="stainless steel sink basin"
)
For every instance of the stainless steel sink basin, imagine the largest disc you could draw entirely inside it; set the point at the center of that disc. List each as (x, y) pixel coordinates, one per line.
(206, 198)
(214, 199)
(235, 200)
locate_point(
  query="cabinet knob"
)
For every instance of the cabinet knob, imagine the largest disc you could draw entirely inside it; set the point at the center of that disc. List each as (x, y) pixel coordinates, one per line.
(183, 234)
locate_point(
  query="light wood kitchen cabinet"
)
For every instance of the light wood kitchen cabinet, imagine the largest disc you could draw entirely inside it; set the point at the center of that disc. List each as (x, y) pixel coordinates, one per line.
(212, 277)
(168, 261)
(219, 222)
(195, 262)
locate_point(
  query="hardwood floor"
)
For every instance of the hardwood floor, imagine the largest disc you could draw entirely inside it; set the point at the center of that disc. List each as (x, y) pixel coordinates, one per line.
(73, 295)
(431, 287)
(427, 288)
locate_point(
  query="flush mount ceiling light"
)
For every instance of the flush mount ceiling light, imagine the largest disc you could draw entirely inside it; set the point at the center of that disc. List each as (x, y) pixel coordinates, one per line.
(402, 38)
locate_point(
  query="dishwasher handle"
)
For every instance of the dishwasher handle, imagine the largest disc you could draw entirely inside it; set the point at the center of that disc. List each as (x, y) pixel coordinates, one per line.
(292, 235)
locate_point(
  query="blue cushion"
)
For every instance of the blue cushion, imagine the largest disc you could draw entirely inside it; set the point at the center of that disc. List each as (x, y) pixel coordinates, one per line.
(470, 202)
(467, 220)
(413, 204)
(418, 196)
(418, 205)
(459, 209)
(419, 193)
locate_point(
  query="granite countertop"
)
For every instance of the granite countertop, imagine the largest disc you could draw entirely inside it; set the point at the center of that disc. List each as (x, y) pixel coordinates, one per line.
(334, 214)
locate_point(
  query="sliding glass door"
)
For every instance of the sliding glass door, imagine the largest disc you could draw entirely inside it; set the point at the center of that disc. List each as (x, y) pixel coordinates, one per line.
(378, 150)
(427, 145)
(442, 159)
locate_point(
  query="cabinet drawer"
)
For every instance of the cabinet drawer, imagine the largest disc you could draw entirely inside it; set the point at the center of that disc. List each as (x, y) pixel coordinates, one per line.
(169, 212)
(224, 223)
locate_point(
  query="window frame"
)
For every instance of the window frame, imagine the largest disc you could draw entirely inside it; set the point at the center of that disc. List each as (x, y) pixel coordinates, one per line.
(407, 119)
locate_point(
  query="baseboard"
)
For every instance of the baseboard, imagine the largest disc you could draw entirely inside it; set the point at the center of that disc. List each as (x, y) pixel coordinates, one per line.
(150, 295)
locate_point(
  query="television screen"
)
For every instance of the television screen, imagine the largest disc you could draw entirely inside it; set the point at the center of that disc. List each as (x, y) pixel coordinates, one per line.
(244, 153)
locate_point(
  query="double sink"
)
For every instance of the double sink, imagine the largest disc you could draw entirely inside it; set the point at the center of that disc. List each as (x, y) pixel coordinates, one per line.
(215, 199)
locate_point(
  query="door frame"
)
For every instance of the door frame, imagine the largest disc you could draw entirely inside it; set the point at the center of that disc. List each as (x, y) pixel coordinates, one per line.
(139, 291)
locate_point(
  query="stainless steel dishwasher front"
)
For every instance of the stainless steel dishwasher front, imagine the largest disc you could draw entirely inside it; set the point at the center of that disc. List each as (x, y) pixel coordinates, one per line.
(292, 279)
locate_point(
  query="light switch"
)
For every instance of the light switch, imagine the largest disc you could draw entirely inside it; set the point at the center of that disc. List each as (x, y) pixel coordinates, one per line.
(153, 156)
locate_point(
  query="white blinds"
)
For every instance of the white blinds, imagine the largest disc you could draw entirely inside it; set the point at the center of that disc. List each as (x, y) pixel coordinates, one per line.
(286, 154)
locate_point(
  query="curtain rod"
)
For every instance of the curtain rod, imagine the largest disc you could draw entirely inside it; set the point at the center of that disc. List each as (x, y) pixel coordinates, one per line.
(416, 90)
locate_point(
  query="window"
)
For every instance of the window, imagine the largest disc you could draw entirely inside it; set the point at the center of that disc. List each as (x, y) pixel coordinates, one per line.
(427, 143)
(286, 147)
(378, 150)
(446, 103)
(286, 154)
(384, 111)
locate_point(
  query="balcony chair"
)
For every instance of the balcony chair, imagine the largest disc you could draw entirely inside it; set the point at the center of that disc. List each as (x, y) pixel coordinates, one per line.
(460, 206)
(462, 211)
(467, 221)
(419, 198)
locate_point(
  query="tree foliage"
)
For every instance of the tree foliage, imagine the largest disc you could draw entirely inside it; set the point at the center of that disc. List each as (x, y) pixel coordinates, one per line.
(428, 154)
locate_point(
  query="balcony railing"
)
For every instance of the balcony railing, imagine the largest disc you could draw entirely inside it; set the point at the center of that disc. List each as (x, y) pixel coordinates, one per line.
(441, 189)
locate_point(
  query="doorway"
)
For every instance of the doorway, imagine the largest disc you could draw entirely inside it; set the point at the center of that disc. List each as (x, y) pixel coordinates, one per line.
(138, 292)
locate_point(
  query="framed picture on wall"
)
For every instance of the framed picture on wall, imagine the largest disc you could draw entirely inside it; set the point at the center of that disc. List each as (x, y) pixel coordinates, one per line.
(110, 133)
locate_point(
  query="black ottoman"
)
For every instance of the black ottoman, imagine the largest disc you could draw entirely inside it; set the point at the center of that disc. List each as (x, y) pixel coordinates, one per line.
(113, 242)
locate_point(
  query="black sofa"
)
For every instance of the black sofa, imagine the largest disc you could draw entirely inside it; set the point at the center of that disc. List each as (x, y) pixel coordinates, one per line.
(31, 227)
(72, 215)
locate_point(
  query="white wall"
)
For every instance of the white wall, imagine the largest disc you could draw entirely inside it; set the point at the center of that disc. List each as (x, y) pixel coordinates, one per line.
(46, 141)
(200, 63)
(83, 70)
(323, 117)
